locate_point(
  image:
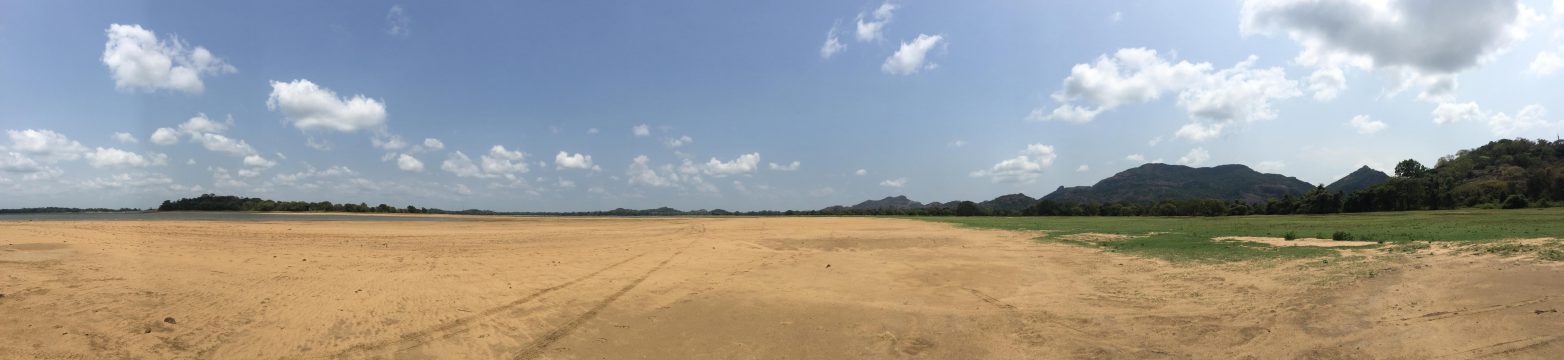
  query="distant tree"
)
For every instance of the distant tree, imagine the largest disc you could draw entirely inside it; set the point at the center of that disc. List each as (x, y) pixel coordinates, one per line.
(968, 208)
(1515, 202)
(1410, 168)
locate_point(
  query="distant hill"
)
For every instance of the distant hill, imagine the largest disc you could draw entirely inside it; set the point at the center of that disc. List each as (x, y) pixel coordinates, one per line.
(1157, 182)
(1361, 179)
(889, 202)
(1006, 203)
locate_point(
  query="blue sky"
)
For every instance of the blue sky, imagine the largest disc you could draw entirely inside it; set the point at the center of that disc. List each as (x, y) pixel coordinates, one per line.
(935, 100)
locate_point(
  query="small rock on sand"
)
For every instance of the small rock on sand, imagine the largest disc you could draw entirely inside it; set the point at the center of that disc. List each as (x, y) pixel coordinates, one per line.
(169, 320)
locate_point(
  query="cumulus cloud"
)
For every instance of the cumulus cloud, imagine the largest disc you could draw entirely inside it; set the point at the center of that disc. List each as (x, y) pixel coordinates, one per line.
(1195, 157)
(861, 172)
(164, 136)
(1366, 125)
(138, 60)
(223, 144)
(1214, 99)
(1025, 168)
(641, 130)
(258, 161)
(462, 166)
(1413, 41)
(116, 158)
(13, 162)
(125, 138)
(505, 162)
(200, 123)
(45, 145)
(894, 183)
(833, 44)
(127, 181)
(793, 166)
(912, 57)
(1546, 63)
(1136, 158)
(745, 163)
(1531, 117)
(566, 160)
(641, 172)
(874, 28)
(409, 163)
(1083, 168)
(1327, 82)
(680, 141)
(310, 107)
(433, 144)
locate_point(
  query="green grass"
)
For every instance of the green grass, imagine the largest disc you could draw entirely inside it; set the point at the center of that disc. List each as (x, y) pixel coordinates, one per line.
(1189, 238)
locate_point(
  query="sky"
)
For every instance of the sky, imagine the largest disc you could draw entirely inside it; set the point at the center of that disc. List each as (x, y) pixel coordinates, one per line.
(749, 105)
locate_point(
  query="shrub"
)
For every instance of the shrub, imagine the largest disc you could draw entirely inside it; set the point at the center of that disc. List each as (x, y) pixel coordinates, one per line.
(1290, 236)
(1515, 202)
(1341, 236)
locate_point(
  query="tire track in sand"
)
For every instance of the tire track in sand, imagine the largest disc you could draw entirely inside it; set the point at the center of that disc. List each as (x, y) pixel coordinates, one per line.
(536, 348)
(421, 337)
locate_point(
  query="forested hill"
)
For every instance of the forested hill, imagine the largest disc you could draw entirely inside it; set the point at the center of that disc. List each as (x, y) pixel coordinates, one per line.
(1361, 179)
(1507, 173)
(1151, 183)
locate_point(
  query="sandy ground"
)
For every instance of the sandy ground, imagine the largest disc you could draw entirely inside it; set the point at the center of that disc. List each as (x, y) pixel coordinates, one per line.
(730, 288)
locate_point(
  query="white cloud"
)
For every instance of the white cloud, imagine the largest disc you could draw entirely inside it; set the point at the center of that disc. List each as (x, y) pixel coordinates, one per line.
(958, 143)
(409, 163)
(745, 163)
(164, 136)
(874, 29)
(681, 141)
(127, 181)
(833, 44)
(1327, 82)
(1116, 17)
(202, 124)
(1414, 41)
(640, 172)
(45, 145)
(1136, 158)
(13, 162)
(1132, 75)
(793, 166)
(116, 158)
(138, 60)
(565, 160)
(1199, 131)
(397, 21)
(1530, 118)
(461, 165)
(223, 144)
(310, 107)
(1238, 94)
(257, 161)
(1083, 168)
(641, 130)
(1366, 125)
(1195, 157)
(894, 183)
(1025, 168)
(912, 57)
(505, 162)
(1270, 167)
(1546, 63)
(861, 172)
(125, 138)
(388, 142)
(592, 131)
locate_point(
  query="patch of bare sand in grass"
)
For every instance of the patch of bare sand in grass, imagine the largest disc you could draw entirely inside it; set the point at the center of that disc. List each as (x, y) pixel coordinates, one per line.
(1276, 241)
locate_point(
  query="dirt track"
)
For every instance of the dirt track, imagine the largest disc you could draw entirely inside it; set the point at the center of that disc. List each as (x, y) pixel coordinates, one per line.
(729, 288)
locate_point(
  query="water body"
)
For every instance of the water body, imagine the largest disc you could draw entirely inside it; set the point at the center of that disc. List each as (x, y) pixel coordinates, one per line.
(219, 216)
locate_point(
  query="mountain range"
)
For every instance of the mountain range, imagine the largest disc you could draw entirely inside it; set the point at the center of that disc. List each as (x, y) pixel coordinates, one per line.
(1151, 183)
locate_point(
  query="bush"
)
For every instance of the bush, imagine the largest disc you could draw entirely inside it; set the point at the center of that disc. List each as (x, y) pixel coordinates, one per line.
(1515, 202)
(1290, 236)
(1341, 236)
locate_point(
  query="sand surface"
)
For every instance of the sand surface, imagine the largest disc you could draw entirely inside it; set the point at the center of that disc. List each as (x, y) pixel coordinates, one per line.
(730, 288)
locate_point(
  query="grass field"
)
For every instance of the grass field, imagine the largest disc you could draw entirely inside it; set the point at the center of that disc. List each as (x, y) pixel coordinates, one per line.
(1190, 238)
